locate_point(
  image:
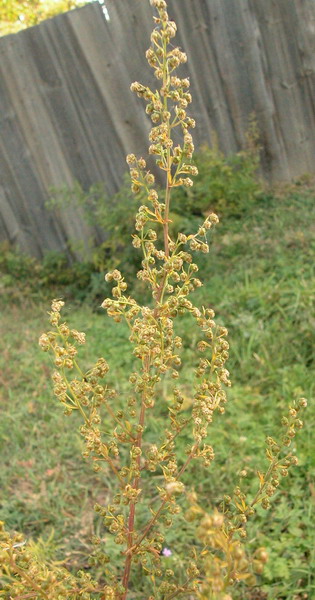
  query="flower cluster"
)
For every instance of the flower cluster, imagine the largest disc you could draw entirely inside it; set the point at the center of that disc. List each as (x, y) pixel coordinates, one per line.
(24, 575)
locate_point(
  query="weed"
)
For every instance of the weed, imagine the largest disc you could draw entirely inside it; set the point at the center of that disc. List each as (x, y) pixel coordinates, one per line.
(151, 430)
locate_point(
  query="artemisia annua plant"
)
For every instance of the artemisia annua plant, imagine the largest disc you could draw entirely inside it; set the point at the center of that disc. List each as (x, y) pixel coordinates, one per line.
(147, 473)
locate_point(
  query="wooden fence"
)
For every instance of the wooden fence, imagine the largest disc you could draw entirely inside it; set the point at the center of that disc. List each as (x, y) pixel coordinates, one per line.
(67, 113)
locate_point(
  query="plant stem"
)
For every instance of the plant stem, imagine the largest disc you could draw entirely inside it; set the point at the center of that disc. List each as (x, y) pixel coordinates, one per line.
(115, 470)
(157, 514)
(181, 590)
(262, 487)
(167, 210)
(136, 483)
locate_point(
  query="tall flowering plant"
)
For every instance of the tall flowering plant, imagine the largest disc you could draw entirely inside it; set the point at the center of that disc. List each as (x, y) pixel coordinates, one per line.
(140, 511)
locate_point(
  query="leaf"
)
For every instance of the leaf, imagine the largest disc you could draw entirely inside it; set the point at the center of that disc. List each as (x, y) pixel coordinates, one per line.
(261, 478)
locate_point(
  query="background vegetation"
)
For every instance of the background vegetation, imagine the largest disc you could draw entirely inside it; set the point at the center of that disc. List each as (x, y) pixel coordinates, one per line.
(16, 14)
(259, 278)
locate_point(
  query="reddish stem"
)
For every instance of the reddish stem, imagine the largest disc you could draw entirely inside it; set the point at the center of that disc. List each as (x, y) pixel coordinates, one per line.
(157, 514)
(136, 482)
(132, 513)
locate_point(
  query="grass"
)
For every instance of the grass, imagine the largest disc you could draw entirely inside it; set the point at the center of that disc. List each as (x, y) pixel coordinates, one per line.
(259, 277)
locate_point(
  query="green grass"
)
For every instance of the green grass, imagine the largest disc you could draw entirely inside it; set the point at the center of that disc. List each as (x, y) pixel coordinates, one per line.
(259, 277)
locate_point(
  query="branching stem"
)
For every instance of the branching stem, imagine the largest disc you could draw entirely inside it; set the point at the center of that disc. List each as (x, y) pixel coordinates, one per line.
(152, 521)
(136, 483)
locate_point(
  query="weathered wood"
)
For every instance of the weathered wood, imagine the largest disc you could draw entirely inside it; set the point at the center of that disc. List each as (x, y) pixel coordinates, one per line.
(67, 112)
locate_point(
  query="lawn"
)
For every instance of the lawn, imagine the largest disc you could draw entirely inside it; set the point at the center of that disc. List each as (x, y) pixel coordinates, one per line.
(259, 278)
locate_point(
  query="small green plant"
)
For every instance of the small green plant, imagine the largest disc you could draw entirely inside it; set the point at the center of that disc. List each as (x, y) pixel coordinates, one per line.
(149, 496)
(22, 274)
(14, 266)
(113, 215)
(226, 184)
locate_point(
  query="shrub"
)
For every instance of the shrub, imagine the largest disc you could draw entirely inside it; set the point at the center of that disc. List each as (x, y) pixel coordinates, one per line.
(227, 184)
(22, 274)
